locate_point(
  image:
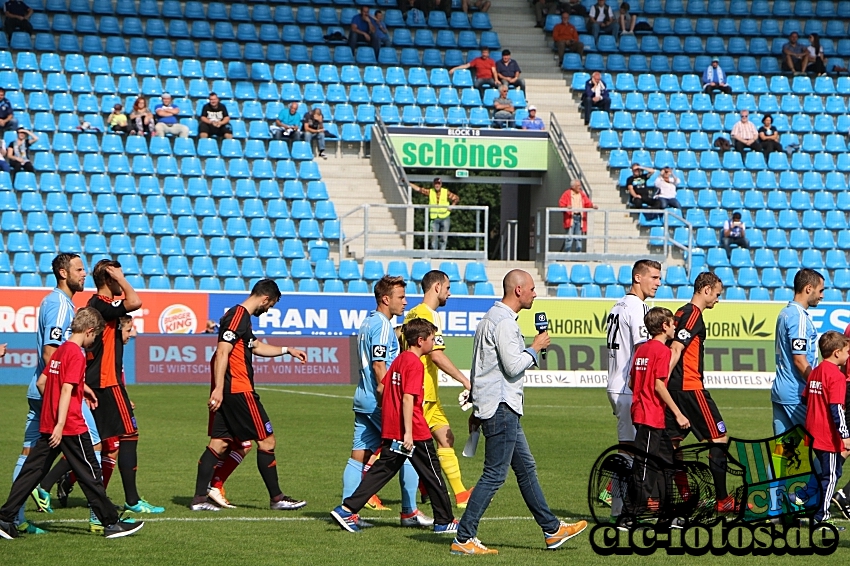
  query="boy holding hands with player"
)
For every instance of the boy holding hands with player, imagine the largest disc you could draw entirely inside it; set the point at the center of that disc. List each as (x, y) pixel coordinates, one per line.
(404, 434)
(648, 382)
(824, 396)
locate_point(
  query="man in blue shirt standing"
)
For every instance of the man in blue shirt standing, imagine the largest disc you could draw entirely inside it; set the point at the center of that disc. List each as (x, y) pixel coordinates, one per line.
(7, 113)
(54, 327)
(532, 122)
(796, 351)
(363, 31)
(377, 346)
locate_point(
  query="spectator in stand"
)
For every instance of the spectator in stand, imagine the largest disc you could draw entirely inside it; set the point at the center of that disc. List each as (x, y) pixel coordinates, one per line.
(440, 212)
(795, 56)
(595, 96)
(484, 71)
(714, 79)
(482, 5)
(215, 121)
(117, 121)
(441, 5)
(17, 18)
(287, 126)
(412, 12)
(532, 122)
(505, 111)
(141, 118)
(314, 127)
(637, 185)
(543, 8)
(363, 31)
(381, 30)
(734, 233)
(508, 71)
(566, 38)
(7, 113)
(626, 19)
(18, 153)
(211, 327)
(744, 134)
(601, 19)
(575, 8)
(4, 165)
(817, 60)
(768, 136)
(575, 220)
(665, 185)
(166, 119)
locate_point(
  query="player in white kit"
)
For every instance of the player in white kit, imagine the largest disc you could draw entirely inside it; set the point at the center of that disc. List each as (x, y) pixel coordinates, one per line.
(626, 330)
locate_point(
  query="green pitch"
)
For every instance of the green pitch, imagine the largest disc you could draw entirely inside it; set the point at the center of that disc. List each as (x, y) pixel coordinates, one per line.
(566, 428)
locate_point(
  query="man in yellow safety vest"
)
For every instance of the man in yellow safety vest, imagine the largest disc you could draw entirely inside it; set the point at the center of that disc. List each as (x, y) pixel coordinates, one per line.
(440, 215)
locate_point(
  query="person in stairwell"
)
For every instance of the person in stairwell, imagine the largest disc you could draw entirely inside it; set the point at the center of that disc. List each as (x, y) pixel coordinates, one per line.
(440, 199)
(575, 220)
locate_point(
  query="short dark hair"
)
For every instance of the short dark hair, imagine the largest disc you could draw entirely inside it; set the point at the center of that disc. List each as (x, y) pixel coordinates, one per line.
(642, 266)
(736, 214)
(506, 51)
(432, 278)
(266, 288)
(100, 275)
(415, 329)
(655, 319)
(706, 279)
(378, 12)
(385, 285)
(805, 277)
(62, 261)
(212, 94)
(830, 342)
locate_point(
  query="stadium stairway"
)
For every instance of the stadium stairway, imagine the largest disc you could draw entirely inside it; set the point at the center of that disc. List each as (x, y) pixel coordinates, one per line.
(549, 91)
(351, 182)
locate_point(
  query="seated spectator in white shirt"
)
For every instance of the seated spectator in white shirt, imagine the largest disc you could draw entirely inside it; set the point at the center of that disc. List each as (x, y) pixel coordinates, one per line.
(665, 197)
(745, 135)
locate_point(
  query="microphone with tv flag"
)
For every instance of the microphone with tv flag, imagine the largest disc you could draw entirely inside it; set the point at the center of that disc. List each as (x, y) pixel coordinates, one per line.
(541, 323)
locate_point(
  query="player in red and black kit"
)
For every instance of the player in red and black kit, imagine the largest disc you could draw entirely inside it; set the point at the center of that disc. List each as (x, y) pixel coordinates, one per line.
(236, 414)
(686, 384)
(105, 364)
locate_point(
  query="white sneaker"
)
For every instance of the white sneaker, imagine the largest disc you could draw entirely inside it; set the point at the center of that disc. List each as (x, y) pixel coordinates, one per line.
(205, 506)
(416, 519)
(217, 495)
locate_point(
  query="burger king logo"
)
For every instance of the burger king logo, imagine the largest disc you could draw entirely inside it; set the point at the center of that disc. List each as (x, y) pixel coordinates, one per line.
(177, 319)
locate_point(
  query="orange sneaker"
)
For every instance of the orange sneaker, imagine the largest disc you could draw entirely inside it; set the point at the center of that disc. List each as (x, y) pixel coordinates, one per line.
(374, 504)
(472, 546)
(727, 505)
(463, 498)
(565, 532)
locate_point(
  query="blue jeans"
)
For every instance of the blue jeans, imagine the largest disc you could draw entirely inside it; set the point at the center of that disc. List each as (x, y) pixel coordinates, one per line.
(440, 228)
(505, 447)
(320, 139)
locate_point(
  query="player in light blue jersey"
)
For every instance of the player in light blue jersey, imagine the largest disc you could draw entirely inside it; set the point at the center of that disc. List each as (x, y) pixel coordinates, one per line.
(796, 351)
(54, 327)
(377, 348)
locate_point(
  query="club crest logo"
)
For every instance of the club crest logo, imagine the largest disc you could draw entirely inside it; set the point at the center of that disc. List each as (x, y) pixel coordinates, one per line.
(379, 351)
(228, 336)
(684, 334)
(799, 344)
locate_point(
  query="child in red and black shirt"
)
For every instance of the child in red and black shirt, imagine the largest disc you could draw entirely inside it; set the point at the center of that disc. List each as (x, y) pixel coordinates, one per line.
(63, 429)
(404, 434)
(825, 397)
(650, 370)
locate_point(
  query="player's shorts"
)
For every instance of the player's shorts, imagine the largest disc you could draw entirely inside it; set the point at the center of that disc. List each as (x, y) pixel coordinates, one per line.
(699, 408)
(435, 415)
(241, 418)
(111, 444)
(621, 403)
(367, 431)
(31, 433)
(89, 418)
(114, 414)
(786, 417)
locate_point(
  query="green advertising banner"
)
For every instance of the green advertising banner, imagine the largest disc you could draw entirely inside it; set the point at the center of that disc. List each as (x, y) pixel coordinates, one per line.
(468, 148)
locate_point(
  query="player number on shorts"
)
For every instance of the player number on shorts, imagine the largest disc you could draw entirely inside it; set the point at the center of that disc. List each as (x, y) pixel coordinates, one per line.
(613, 331)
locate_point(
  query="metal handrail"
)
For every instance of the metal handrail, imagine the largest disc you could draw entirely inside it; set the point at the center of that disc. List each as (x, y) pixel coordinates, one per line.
(559, 138)
(399, 175)
(545, 236)
(481, 234)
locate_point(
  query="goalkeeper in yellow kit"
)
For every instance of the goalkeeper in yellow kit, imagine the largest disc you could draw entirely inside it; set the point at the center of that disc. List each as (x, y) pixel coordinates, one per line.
(435, 286)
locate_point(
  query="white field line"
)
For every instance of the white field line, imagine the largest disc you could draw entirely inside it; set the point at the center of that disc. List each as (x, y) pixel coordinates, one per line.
(302, 392)
(208, 519)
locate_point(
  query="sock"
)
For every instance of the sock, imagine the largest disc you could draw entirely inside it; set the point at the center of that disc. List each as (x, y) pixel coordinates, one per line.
(21, 518)
(409, 487)
(206, 469)
(351, 477)
(422, 491)
(228, 465)
(97, 457)
(717, 465)
(618, 489)
(680, 478)
(268, 470)
(127, 466)
(451, 468)
(107, 466)
(61, 468)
